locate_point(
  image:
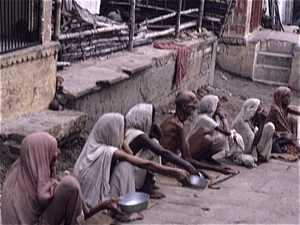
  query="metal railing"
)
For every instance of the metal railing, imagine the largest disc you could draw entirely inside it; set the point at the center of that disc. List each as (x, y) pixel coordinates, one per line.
(20, 22)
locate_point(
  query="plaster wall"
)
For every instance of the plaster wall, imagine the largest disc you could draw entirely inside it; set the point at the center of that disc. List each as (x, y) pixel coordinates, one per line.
(28, 79)
(153, 85)
(294, 81)
(238, 59)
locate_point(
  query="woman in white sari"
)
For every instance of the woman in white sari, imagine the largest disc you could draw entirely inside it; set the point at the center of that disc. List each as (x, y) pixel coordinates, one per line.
(101, 155)
(214, 119)
(141, 136)
(257, 135)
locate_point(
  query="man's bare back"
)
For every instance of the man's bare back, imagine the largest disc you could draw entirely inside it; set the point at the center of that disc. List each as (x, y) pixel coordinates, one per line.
(170, 138)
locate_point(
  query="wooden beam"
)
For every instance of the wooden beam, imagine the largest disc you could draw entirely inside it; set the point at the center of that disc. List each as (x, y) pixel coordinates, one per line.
(131, 25)
(178, 18)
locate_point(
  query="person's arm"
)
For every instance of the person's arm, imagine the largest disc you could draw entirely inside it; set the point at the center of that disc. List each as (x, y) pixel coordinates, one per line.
(258, 121)
(180, 174)
(185, 151)
(145, 142)
(258, 134)
(126, 148)
(293, 111)
(108, 204)
(225, 129)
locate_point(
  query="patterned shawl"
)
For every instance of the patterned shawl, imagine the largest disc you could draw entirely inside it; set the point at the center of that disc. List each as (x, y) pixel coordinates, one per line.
(277, 114)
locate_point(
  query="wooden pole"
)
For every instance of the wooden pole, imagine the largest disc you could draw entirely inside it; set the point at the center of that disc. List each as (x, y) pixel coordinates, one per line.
(57, 19)
(131, 24)
(163, 17)
(171, 30)
(92, 32)
(201, 11)
(178, 18)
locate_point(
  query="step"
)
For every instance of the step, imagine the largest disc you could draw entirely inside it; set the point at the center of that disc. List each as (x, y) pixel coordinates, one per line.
(274, 59)
(273, 75)
(63, 125)
(276, 46)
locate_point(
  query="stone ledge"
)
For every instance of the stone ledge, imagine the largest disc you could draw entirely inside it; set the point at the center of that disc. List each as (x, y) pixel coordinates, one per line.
(63, 125)
(86, 77)
(28, 54)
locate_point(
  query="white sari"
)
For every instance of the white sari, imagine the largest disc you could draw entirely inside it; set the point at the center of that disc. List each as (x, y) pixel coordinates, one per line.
(92, 168)
(207, 109)
(243, 124)
(139, 121)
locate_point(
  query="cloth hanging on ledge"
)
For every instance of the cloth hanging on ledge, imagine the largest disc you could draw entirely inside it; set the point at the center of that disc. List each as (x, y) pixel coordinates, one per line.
(181, 61)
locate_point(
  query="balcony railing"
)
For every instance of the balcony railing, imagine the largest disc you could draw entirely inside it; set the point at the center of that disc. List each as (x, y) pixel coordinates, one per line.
(20, 22)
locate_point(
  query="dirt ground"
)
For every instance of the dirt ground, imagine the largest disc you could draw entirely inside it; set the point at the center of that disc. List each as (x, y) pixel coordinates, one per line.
(231, 89)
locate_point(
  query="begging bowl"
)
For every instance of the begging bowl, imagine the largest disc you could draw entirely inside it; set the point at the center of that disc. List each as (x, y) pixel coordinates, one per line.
(198, 181)
(134, 202)
(289, 136)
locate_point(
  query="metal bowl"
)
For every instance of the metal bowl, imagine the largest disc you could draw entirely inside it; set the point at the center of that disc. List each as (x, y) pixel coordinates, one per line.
(134, 202)
(198, 181)
(289, 136)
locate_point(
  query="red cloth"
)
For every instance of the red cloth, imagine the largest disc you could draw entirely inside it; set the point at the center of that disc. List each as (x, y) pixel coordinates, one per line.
(181, 69)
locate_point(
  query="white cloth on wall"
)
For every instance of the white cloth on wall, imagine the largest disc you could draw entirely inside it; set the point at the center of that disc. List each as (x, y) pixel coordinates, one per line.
(93, 6)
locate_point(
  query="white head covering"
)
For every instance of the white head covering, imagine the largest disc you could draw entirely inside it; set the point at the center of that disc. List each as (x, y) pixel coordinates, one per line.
(243, 124)
(138, 121)
(208, 105)
(249, 108)
(92, 168)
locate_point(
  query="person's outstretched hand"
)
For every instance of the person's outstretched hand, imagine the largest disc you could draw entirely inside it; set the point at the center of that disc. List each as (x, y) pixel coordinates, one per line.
(111, 204)
(183, 176)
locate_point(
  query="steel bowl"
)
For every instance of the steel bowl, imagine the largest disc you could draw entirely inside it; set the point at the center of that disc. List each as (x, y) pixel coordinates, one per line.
(198, 181)
(289, 136)
(134, 202)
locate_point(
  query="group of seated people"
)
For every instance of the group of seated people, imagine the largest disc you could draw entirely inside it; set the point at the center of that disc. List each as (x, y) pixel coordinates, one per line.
(122, 153)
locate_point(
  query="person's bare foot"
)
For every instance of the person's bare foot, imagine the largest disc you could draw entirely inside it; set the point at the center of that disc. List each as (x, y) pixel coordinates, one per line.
(154, 194)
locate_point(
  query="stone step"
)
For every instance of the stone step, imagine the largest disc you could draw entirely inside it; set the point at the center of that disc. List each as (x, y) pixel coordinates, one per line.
(272, 75)
(63, 125)
(274, 59)
(276, 46)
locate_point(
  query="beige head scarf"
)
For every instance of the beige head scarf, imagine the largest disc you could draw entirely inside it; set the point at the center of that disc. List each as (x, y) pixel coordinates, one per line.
(30, 184)
(92, 168)
(208, 105)
(207, 108)
(140, 117)
(138, 121)
(243, 123)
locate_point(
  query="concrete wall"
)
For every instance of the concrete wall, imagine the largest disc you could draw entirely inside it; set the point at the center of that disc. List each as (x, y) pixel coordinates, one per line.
(28, 79)
(152, 85)
(294, 80)
(236, 55)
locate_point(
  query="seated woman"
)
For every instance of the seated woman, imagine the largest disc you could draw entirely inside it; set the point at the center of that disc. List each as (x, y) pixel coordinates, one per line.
(258, 143)
(32, 195)
(141, 131)
(104, 170)
(211, 117)
(279, 115)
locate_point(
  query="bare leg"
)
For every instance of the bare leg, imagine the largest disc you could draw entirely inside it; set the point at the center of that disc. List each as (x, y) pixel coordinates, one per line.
(147, 188)
(200, 145)
(66, 205)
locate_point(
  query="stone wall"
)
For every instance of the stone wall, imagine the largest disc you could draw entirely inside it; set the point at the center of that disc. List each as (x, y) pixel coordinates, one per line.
(151, 85)
(28, 79)
(294, 80)
(237, 56)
